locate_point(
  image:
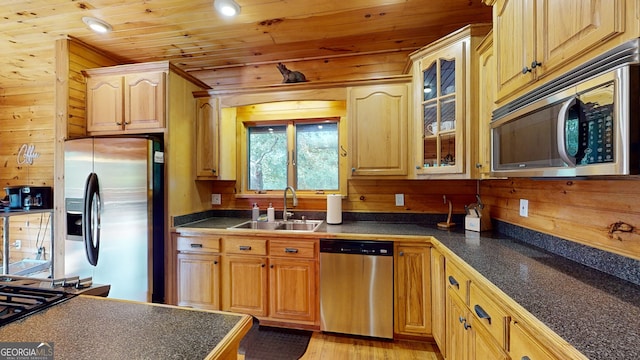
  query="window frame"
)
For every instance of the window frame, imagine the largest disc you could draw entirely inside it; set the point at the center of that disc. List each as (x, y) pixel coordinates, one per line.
(279, 120)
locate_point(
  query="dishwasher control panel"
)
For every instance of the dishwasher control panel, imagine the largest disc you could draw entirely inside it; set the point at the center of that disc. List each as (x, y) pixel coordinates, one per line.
(357, 247)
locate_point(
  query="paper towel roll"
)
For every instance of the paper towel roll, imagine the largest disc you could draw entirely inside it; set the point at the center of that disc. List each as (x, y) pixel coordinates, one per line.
(334, 209)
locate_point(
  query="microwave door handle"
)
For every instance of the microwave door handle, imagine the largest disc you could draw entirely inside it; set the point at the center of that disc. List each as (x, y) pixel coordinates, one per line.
(561, 131)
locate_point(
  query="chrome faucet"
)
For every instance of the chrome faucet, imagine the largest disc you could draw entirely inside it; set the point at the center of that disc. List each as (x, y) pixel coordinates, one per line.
(286, 214)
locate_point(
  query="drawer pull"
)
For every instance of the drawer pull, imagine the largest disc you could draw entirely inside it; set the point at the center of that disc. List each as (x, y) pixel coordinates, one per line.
(525, 358)
(196, 245)
(454, 282)
(481, 313)
(245, 247)
(291, 250)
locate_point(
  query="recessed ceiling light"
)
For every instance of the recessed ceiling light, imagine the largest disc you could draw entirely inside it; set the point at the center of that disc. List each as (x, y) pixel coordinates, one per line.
(97, 25)
(227, 7)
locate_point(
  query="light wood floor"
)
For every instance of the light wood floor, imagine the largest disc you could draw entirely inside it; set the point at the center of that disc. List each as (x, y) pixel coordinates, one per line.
(335, 347)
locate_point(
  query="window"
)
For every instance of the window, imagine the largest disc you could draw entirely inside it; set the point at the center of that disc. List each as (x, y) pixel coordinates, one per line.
(303, 154)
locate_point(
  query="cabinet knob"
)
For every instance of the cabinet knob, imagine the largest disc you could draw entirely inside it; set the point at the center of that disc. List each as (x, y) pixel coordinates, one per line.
(215, 263)
(353, 169)
(478, 165)
(271, 266)
(213, 171)
(263, 265)
(461, 319)
(401, 253)
(525, 70)
(467, 326)
(535, 64)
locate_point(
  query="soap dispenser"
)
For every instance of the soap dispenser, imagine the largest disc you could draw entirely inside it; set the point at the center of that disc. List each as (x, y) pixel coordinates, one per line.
(271, 213)
(255, 212)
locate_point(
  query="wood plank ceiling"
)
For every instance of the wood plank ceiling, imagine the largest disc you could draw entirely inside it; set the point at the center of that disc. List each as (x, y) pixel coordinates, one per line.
(325, 39)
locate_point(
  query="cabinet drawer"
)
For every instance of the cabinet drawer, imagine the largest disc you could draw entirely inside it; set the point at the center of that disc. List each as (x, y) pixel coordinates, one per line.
(245, 246)
(457, 281)
(198, 243)
(293, 249)
(489, 314)
(523, 345)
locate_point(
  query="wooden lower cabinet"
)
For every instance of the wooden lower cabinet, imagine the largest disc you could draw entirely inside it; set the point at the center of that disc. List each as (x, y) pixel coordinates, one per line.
(413, 289)
(524, 346)
(245, 284)
(292, 290)
(280, 286)
(199, 281)
(438, 300)
(466, 339)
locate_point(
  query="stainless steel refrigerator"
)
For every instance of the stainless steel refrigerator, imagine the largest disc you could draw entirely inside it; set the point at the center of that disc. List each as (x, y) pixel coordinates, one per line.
(114, 201)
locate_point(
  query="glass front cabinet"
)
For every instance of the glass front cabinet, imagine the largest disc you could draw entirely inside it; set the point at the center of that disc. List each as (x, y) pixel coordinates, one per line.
(446, 98)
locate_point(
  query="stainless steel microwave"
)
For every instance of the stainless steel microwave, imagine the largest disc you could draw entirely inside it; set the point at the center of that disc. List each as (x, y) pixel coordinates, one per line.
(589, 128)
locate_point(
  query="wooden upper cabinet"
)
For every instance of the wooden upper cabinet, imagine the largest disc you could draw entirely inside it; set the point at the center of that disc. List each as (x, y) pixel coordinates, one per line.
(445, 103)
(378, 116)
(486, 104)
(104, 103)
(139, 98)
(118, 103)
(144, 100)
(534, 38)
(207, 138)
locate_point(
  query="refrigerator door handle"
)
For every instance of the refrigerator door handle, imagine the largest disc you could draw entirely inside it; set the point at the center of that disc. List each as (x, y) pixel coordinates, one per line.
(91, 226)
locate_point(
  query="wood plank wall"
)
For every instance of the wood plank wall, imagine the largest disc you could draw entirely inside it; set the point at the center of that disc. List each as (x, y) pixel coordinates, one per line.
(420, 196)
(600, 213)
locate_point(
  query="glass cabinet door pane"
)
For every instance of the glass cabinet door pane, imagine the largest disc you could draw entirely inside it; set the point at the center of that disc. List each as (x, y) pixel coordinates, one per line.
(430, 82)
(447, 76)
(430, 119)
(431, 151)
(448, 113)
(448, 150)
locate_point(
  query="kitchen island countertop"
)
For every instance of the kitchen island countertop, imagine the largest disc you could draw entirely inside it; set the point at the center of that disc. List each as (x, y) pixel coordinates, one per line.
(87, 327)
(595, 312)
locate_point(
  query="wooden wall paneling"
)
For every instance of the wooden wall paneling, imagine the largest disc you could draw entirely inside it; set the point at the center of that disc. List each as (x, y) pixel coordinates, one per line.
(67, 121)
(598, 213)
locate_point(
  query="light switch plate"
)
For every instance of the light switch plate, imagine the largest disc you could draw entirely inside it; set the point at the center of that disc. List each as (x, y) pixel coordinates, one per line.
(216, 199)
(399, 199)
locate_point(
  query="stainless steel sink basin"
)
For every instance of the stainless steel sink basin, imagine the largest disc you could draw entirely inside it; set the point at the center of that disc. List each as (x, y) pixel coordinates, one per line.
(289, 225)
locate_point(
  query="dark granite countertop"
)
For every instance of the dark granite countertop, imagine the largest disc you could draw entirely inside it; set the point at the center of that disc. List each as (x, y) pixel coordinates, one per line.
(599, 314)
(86, 327)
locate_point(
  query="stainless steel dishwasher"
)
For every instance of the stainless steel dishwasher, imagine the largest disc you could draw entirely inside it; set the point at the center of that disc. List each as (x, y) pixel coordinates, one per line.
(356, 287)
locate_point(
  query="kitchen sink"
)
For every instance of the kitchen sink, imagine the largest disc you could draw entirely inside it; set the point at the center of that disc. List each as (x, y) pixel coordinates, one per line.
(289, 225)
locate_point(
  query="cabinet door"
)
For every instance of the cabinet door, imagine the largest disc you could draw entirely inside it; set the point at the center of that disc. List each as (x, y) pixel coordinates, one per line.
(440, 128)
(292, 289)
(514, 35)
(245, 285)
(590, 24)
(144, 100)
(458, 344)
(199, 281)
(379, 119)
(104, 103)
(413, 297)
(207, 138)
(486, 97)
(438, 294)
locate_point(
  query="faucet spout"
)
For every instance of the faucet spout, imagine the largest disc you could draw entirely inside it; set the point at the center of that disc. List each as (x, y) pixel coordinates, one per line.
(286, 214)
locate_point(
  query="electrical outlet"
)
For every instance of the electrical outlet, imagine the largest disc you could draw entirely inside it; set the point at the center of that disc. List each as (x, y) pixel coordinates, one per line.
(399, 199)
(524, 207)
(18, 244)
(216, 199)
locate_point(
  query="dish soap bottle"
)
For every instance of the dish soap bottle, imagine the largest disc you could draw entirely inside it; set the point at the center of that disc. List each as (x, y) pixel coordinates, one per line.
(255, 212)
(271, 213)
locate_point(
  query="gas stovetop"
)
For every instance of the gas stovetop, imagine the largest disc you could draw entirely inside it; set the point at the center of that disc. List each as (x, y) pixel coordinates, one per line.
(22, 296)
